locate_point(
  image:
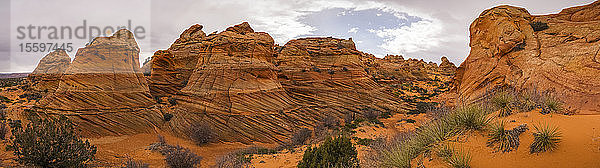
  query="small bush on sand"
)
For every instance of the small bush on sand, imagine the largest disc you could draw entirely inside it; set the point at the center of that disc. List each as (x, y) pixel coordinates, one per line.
(241, 158)
(300, 136)
(505, 140)
(371, 114)
(50, 143)
(545, 138)
(131, 163)
(337, 152)
(201, 133)
(180, 157)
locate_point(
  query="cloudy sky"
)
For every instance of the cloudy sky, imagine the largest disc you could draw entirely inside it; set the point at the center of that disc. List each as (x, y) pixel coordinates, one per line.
(422, 29)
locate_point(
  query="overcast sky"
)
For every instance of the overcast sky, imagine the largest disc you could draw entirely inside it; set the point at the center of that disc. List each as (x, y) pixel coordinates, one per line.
(422, 29)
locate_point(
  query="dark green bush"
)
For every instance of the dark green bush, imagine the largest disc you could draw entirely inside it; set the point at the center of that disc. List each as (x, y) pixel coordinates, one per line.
(337, 152)
(50, 143)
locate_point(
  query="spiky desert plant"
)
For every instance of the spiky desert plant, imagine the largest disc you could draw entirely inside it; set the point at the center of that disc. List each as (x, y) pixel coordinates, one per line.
(551, 104)
(473, 117)
(459, 159)
(505, 140)
(444, 151)
(545, 138)
(504, 101)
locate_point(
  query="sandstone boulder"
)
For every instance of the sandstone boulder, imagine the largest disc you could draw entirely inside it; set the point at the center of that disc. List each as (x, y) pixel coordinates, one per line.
(103, 91)
(506, 50)
(46, 76)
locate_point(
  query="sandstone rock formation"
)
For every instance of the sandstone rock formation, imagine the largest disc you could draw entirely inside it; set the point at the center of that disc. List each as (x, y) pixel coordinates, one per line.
(46, 76)
(510, 47)
(103, 90)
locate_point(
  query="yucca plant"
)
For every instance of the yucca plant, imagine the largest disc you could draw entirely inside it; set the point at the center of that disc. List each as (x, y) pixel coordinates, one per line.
(470, 118)
(551, 104)
(504, 101)
(460, 159)
(505, 140)
(455, 158)
(546, 138)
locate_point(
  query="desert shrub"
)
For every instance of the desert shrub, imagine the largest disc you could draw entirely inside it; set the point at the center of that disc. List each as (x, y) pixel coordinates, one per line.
(131, 163)
(473, 117)
(444, 151)
(201, 133)
(370, 114)
(31, 96)
(459, 159)
(330, 122)
(437, 112)
(158, 99)
(422, 107)
(180, 157)
(336, 152)
(551, 104)
(503, 101)
(300, 136)
(172, 101)
(505, 140)
(50, 143)
(167, 116)
(241, 158)
(363, 141)
(545, 138)
(539, 26)
(3, 129)
(349, 117)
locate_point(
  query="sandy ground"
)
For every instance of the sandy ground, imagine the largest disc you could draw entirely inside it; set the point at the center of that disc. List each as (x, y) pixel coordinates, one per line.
(580, 145)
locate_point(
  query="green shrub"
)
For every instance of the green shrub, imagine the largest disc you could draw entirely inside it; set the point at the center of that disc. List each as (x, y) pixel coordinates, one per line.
(545, 138)
(50, 143)
(337, 152)
(551, 104)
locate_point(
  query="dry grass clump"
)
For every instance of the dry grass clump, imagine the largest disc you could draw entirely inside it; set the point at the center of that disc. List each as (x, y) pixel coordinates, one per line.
(201, 133)
(504, 101)
(469, 118)
(241, 158)
(132, 163)
(505, 140)
(455, 158)
(510, 100)
(551, 104)
(176, 156)
(546, 138)
(300, 136)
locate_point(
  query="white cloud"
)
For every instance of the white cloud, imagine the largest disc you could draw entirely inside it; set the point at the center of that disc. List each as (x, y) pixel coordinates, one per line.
(419, 36)
(353, 30)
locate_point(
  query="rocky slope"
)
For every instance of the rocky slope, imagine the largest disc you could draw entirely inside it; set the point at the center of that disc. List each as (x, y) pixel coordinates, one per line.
(46, 76)
(510, 47)
(103, 90)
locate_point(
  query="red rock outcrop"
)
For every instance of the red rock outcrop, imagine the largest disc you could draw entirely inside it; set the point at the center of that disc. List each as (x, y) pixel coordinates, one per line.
(103, 90)
(510, 47)
(46, 76)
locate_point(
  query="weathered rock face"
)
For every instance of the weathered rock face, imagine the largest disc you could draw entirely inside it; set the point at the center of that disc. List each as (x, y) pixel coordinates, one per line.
(330, 73)
(46, 76)
(172, 68)
(232, 85)
(507, 51)
(103, 90)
